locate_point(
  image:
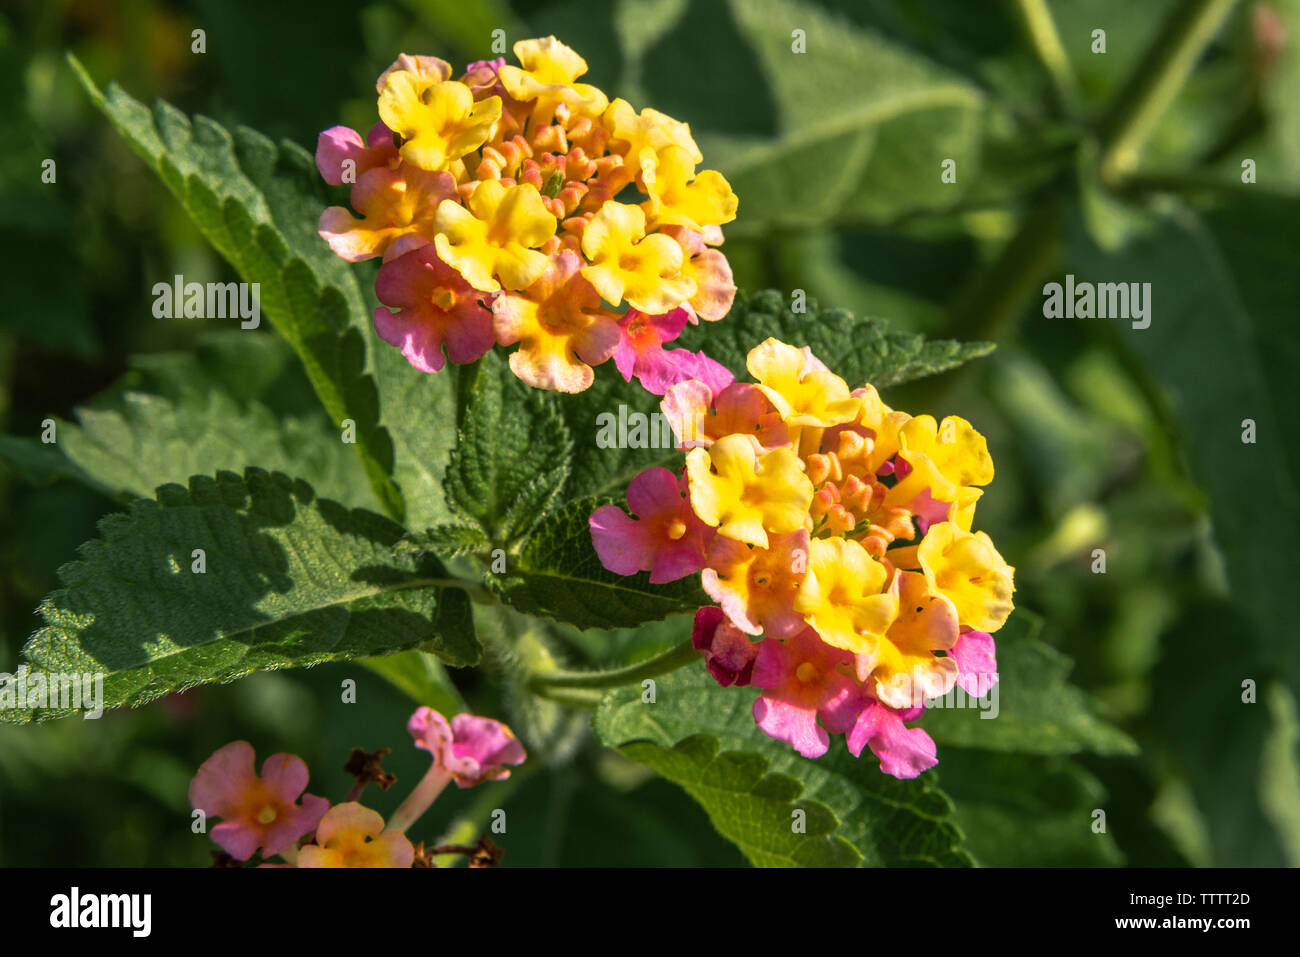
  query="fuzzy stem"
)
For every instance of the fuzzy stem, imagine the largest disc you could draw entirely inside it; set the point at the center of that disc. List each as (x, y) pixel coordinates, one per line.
(1156, 81)
(1040, 28)
(418, 801)
(670, 660)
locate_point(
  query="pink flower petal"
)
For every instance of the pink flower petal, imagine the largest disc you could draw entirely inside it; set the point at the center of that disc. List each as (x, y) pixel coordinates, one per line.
(903, 752)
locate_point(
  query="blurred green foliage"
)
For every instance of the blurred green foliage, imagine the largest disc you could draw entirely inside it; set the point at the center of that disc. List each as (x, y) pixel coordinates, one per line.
(1104, 436)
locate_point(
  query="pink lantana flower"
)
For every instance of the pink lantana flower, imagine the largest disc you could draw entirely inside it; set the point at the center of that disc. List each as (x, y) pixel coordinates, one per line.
(470, 748)
(977, 661)
(256, 811)
(699, 415)
(715, 289)
(728, 652)
(903, 752)
(666, 538)
(802, 681)
(438, 308)
(641, 353)
(339, 144)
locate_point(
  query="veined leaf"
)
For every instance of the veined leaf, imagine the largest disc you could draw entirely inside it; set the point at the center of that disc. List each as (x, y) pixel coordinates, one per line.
(287, 579)
(558, 575)
(139, 441)
(512, 455)
(859, 350)
(1032, 709)
(258, 205)
(863, 125)
(703, 737)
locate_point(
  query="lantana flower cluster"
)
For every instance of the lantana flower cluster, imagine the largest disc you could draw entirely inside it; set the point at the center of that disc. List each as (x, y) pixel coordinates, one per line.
(518, 206)
(269, 812)
(835, 535)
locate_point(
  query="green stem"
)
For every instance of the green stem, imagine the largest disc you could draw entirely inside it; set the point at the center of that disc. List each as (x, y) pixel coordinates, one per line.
(670, 660)
(1156, 81)
(993, 303)
(570, 697)
(1040, 29)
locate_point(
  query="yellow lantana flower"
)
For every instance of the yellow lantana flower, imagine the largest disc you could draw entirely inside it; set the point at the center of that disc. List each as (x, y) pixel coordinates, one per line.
(841, 596)
(679, 197)
(812, 397)
(966, 567)
(745, 493)
(625, 263)
(496, 237)
(646, 134)
(438, 121)
(547, 76)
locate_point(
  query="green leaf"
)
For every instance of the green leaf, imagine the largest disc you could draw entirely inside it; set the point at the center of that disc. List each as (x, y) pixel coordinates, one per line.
(859, 350)
(422, 677)
(558, 575)
(703, 737)
(446, 540)
(862, 125)
(608, 449)
(1023, 810)
(749, 805)
(1221, 350)
(1032, 709)
(290, 580)
(512, 455)
(136, 442)
(258, 204)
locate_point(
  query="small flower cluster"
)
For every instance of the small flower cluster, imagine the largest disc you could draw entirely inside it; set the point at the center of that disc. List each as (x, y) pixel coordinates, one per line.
(838, 530)
(270, 811)
(495, 203)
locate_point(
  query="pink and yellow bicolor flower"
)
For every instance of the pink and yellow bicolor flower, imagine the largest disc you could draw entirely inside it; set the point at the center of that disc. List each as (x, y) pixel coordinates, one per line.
(666, 538)
(844, 597)
(803, 679)
(715, 287)
(256, 811)
(560, 327)
(967, 568)
(496, 237)
(626, 264)
(746, 492)
(700, 415)
(942, 460)
(432, 307)
(903, 752)
(341, 156)
(903, 669)
(397, 209)
(756, 587)
(438, 121)
(350, 835)
(641, 353)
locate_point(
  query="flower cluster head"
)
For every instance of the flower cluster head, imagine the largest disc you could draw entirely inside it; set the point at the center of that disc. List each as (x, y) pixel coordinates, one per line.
(835, 535)
(270, 812)
(518, 206)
